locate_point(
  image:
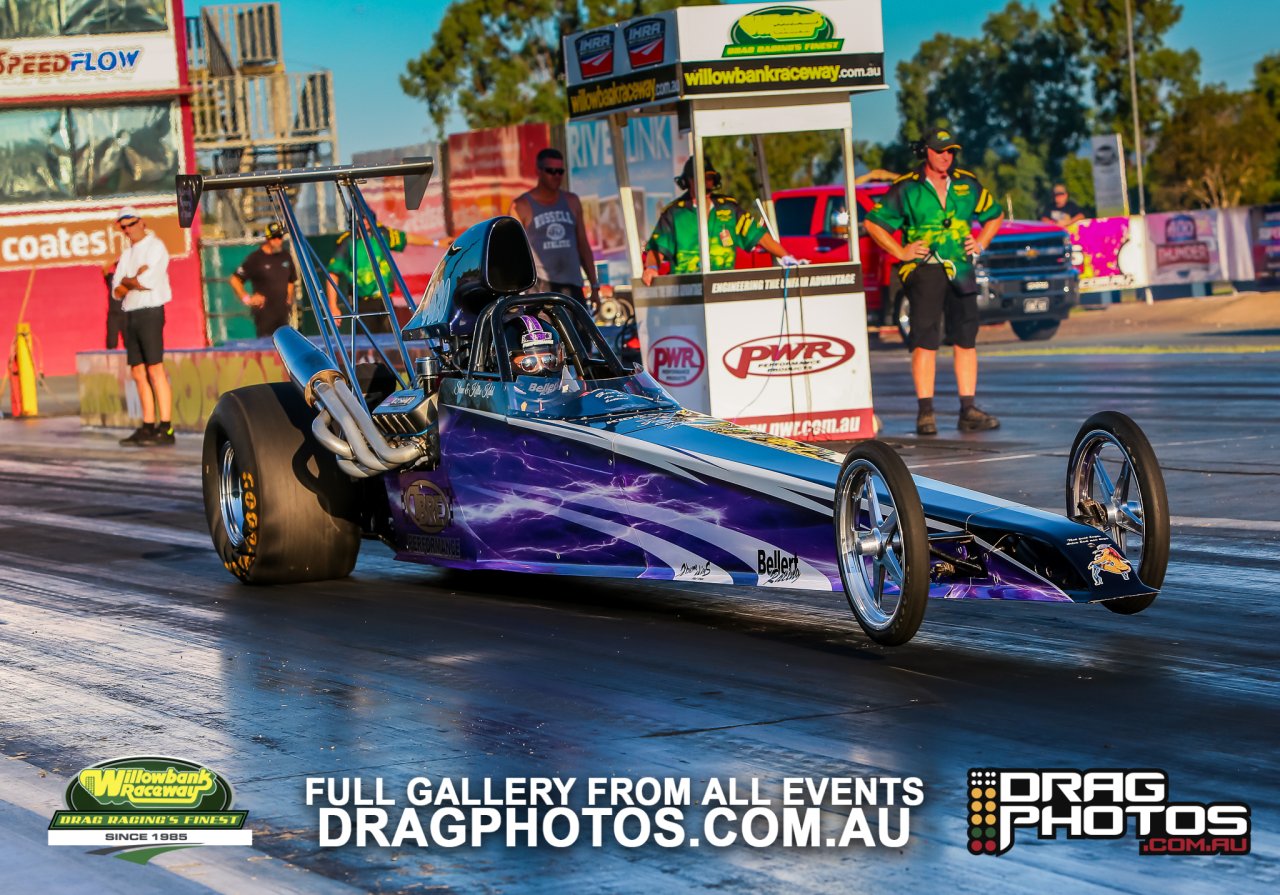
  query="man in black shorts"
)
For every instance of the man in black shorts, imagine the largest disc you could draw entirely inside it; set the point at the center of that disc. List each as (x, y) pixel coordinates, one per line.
(141, 281)
(933, 206)
(270, 269)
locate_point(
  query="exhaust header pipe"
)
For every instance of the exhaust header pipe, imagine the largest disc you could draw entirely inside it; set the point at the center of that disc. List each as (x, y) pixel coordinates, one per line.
(361, 449)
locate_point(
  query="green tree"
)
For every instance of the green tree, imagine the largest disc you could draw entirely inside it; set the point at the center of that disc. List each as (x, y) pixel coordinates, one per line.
(499, 62)
(1016, 84)
(1266, 83)
(1096, 35)
(1219, 149)
(1012, 96)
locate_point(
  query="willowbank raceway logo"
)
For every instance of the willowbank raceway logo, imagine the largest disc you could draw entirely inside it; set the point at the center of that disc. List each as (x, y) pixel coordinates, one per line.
(1099, 804)
(781, 30)
(137, 808)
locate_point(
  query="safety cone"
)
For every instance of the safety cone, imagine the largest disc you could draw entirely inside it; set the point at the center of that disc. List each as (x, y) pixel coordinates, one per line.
(22, 373)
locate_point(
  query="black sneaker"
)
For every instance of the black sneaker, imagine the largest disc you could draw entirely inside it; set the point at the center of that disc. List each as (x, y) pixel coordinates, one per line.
(163, 435)
(926, 424)
(142, 436)
(974, 420)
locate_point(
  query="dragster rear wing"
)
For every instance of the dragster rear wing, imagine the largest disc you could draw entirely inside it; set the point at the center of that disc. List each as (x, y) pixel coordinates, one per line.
(416, 173)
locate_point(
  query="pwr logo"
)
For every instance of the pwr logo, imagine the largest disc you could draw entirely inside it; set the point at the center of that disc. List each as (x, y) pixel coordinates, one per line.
(595, 53)
(675, 360)
(646, 40)
(798, 354)
(1099, 804)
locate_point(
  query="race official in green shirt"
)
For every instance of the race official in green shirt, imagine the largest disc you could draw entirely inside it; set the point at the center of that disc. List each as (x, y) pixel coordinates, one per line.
(363, 276)
(933, 206)
(730, 227)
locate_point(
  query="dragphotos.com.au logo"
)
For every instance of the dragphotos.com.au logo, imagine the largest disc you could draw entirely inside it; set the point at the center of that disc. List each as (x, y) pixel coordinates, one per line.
(1105, 803)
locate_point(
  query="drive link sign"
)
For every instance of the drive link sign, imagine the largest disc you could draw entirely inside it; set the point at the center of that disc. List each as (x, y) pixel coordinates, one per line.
(736, 49)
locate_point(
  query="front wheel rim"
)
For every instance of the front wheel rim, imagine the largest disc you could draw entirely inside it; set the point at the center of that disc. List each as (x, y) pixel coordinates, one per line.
(1105, 473)
(231, 496)
(870, 545)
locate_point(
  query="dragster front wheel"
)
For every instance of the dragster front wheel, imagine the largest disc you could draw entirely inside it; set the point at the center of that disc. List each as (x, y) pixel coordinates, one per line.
(882, 543)
(1114, 483)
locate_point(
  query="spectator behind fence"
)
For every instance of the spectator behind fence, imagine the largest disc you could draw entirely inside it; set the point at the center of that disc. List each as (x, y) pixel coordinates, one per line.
(553, 219)
(1061, 210)
(270, 269)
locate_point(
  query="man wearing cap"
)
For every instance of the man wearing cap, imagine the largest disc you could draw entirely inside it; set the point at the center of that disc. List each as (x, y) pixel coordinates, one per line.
(358, 272)
(730, 227)
(270, 269)
(552, 218)
(1061, 210)
(141, 280)
(933, 207)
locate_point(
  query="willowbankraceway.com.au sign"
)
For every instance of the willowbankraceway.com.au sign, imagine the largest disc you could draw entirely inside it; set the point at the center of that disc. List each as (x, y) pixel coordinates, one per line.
(136, 808)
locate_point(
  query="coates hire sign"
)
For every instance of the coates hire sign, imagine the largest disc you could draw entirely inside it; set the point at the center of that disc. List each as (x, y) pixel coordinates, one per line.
(106, 64)
(730, 49)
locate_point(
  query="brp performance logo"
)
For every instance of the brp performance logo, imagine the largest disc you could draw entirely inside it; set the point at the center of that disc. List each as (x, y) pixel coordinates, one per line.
(1099, 804)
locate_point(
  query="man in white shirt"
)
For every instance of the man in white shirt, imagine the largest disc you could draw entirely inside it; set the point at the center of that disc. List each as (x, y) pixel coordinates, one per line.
(142, 282)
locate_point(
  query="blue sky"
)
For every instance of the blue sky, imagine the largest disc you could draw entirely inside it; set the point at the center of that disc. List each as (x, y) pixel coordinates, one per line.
(366, 45)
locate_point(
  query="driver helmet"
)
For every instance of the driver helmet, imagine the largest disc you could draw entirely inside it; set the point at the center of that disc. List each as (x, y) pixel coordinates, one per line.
(535, 348)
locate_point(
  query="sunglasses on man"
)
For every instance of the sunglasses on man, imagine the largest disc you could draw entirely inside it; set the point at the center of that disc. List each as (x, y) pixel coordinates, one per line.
(555, 171)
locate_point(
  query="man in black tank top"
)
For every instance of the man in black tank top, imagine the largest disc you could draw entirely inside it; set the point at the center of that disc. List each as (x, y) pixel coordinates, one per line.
(553, 219)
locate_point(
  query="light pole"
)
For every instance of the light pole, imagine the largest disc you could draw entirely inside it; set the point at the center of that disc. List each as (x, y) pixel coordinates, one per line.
(1137, 124)
(1133, 94)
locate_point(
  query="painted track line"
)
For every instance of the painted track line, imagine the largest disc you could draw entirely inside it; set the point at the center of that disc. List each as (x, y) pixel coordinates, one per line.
(138, 531)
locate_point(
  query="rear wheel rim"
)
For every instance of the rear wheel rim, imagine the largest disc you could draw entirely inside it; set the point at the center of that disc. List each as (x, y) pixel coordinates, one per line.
(1105, 473)
(231, 496)
(870, 545)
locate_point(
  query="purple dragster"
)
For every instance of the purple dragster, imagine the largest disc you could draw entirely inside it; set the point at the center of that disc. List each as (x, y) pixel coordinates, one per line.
(509, 436)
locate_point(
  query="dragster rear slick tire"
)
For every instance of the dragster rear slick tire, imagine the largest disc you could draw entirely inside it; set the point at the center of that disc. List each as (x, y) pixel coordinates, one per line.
(279, 509)
(1119, 433)
(882, 543)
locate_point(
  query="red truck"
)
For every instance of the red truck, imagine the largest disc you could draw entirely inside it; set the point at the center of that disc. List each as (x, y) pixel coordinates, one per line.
(1025, 277)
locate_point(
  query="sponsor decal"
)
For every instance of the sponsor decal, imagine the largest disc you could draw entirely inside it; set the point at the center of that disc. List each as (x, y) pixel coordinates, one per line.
(620, 93)
(750, 75)
(1102, 803)
(676, 361)
(782, 29)
(824, 425)
(51, 64)
(762, 437)
(797, 354)
(143, 806)
(429, 508)
(776, 567)
(695, 571)
(595, 53)
(646, 42)
(81, 238)
(1108, 559)
(1181, 248)
(434, 545)
(479, 388)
